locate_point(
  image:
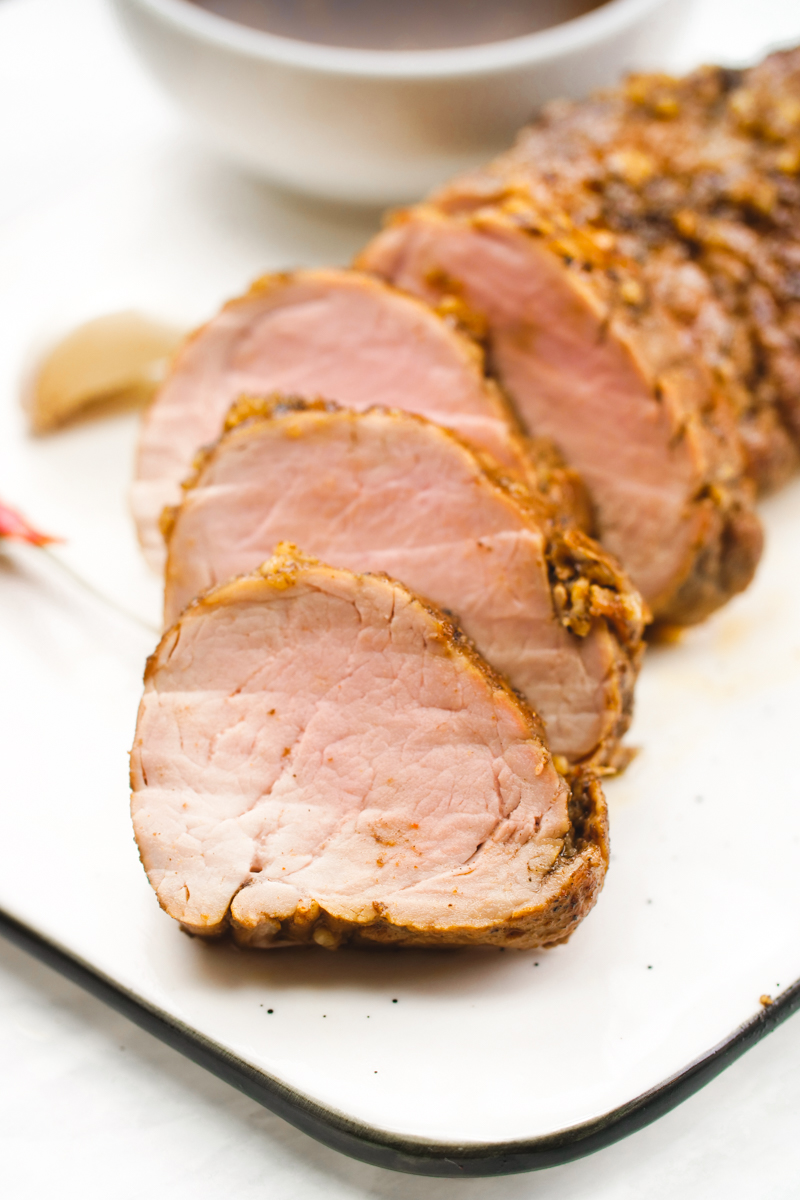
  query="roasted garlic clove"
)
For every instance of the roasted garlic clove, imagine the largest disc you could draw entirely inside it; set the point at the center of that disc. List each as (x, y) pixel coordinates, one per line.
(110, 363)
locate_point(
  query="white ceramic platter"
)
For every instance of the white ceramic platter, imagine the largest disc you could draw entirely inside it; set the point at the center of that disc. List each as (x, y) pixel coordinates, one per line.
(442, 1063)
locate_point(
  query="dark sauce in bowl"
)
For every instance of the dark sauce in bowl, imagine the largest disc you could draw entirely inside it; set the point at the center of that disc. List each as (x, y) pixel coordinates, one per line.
(399, 24)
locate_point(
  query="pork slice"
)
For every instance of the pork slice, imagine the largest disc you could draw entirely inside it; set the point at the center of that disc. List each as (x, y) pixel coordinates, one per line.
(320, 757)
(386, 491)
(595, 366)
(336, 334)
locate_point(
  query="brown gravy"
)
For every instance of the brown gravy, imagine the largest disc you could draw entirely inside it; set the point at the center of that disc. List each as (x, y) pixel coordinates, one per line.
(399, 24)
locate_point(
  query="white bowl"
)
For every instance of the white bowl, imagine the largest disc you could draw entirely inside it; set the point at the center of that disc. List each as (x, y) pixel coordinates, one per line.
(381, 126)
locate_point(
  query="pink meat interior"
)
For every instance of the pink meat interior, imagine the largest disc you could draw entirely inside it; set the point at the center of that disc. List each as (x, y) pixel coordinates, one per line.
(383, 492)
(318, 739)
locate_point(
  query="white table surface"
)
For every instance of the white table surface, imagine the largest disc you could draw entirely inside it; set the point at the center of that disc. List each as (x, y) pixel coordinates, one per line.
(90, 1105)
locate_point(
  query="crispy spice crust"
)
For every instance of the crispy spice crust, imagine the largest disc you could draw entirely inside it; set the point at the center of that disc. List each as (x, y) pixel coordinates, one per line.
(566, 894)
(698, 180)
(587, 585)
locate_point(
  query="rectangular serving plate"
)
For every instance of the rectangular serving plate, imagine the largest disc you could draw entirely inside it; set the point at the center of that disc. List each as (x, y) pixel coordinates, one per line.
(438, 1063)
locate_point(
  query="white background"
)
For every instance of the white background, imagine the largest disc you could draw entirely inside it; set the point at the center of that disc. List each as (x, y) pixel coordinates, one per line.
(88, 1104)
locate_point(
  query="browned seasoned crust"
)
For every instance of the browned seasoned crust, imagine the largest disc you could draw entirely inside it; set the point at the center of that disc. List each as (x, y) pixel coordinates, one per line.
(724, 564)
(588, 588)
(697, 179)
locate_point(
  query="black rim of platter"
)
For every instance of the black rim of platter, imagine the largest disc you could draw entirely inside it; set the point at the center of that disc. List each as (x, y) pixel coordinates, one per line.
(410, 1155)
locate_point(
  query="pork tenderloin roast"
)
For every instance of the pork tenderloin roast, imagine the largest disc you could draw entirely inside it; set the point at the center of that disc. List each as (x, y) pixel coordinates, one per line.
(697, 180)
(334, 334)
(582, 335)
(320, 757)
(387, 491)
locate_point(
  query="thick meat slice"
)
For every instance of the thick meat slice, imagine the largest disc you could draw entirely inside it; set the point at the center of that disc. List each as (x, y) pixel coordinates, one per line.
(387, 491)
(335, 334)
(600, 370)
(319, 757)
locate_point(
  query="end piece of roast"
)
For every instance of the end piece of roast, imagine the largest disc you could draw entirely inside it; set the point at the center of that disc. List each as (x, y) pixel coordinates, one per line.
(335, 334)
(696, 178)
(593, 364)
(387, 491)
(321, 757)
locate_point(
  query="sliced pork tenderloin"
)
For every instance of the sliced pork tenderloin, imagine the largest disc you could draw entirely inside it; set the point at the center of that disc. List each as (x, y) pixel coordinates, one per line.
(320, 757)
(697, 179)
(387, 491)
(596, 366)
(339, 335)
